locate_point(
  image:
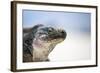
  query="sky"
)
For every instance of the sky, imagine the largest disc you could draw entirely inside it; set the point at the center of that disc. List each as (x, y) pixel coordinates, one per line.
(70, 21)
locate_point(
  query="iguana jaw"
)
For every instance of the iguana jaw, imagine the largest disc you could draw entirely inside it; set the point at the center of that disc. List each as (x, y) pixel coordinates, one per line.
(42, 49)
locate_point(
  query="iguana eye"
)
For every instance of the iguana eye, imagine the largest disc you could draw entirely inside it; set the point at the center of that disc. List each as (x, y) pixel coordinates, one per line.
(50, 29)
(42, 36)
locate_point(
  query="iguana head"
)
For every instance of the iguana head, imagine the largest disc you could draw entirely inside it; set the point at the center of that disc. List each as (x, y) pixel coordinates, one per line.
(48, 37)
(43, 40)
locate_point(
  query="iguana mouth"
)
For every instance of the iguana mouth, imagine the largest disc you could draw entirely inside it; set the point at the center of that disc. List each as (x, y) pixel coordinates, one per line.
(59, 34)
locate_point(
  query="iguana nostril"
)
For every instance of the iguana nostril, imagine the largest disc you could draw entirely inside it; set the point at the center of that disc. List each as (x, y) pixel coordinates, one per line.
(63, 33)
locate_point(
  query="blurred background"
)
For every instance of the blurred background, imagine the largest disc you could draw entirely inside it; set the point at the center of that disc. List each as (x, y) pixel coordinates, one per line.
(77, 45)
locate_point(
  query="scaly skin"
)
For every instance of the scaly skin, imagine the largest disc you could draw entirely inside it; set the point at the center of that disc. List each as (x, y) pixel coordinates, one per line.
(40, 41)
